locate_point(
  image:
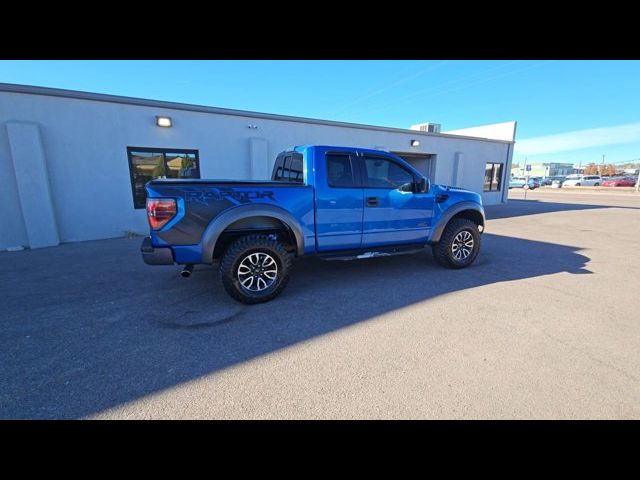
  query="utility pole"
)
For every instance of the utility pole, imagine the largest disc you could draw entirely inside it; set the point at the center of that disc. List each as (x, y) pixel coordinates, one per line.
(526, 178)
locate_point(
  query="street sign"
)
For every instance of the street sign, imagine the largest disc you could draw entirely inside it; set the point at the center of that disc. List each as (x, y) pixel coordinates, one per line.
(528, 167)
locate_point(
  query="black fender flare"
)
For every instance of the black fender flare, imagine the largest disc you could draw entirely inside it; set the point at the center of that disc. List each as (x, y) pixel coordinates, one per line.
(451, 212)
(222, 221)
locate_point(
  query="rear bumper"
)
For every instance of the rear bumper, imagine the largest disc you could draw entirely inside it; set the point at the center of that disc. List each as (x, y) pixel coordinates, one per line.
(155, 255)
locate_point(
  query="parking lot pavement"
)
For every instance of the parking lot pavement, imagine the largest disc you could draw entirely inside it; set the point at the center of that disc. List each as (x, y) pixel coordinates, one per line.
(543, 325)
(600, 190)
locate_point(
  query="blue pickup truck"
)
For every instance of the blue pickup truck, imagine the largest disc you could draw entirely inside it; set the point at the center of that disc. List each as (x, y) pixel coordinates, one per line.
(339, 203)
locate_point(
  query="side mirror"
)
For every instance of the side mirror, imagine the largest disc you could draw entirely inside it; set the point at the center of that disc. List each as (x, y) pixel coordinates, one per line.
(422, 185)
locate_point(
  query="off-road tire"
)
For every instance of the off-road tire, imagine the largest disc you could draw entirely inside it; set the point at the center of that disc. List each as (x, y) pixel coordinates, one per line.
(442, 250)
(238, 251)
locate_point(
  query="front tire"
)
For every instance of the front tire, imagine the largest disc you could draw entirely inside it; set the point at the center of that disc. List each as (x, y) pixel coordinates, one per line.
(255, 269)
(459, 244)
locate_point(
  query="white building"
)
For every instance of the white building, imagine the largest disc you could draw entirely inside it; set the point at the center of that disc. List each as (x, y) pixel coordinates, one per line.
(72, 163)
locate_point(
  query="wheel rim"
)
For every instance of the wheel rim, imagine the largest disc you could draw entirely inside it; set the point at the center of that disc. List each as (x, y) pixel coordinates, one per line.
(462, 245)
(257, 271)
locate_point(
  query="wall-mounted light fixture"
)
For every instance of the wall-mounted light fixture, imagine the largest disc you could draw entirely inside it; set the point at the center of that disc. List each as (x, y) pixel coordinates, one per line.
(415, 143)
(163, 121)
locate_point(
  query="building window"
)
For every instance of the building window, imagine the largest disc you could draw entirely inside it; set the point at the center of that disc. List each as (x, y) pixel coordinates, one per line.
(149, 163)
(492, 177)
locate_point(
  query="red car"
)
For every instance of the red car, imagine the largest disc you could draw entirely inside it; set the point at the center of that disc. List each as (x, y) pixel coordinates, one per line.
(620, 182)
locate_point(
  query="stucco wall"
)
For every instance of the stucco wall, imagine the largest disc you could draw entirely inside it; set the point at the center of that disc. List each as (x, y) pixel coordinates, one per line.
(85, 142)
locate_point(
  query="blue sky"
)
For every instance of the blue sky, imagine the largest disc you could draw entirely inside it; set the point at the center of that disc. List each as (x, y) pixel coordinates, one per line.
(553, 101)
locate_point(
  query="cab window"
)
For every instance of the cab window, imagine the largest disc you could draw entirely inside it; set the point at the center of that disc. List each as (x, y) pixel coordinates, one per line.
(340, 171)
(383, 173)
(288, 168)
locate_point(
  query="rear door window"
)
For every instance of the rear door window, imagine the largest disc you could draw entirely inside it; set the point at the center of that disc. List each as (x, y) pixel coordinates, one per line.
(340, 171)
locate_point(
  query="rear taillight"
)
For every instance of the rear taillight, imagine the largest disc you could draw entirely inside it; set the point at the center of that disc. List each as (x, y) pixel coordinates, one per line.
(160, 211)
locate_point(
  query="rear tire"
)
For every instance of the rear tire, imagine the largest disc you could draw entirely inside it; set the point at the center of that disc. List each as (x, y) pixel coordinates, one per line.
(255, 269)
(459, 244)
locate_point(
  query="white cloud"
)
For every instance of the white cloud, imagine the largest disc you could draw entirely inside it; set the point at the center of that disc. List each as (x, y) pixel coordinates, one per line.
(579, 139)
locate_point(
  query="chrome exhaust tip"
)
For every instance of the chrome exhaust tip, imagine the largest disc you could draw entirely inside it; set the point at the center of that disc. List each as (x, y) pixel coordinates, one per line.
(187, 271)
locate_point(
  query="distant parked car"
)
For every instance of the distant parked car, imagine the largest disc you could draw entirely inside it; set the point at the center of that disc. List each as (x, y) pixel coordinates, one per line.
(521, 182)
(620, 182)
(551, 179)
(582, 181)
(572, 179)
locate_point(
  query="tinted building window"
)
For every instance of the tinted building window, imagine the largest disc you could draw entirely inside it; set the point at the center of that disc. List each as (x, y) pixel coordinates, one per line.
(492, 177)
(150, 163)
(382, 173)
(496, 180)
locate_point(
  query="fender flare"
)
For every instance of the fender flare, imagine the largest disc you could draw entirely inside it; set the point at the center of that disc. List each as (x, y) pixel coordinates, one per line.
(451, 212)
(222, 221)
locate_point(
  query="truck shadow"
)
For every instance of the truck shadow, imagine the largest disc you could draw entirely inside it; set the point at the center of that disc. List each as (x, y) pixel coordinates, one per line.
(518, 208)
(76, 343)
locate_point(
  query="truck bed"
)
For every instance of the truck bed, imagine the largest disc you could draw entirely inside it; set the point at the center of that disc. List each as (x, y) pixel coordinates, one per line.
(202, 200)
(206, 181)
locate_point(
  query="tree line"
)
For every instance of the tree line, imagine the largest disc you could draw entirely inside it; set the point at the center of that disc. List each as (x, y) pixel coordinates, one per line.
(603, 170)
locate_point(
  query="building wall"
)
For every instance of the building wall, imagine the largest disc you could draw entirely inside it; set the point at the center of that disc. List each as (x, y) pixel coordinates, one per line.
(84, 144)
(12, 228)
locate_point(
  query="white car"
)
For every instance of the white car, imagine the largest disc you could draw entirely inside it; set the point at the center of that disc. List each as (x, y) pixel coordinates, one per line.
(583, 181)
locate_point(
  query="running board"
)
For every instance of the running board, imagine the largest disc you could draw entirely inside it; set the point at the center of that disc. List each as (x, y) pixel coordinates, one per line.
(387, 252)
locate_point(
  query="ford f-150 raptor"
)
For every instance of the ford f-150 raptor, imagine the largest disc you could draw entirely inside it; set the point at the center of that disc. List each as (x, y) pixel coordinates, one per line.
(336, 202)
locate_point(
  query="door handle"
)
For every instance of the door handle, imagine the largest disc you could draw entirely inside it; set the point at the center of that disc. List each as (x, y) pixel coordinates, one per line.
(372, 202)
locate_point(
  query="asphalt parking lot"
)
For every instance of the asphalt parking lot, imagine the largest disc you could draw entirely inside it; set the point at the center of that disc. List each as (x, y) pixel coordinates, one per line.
(543, 325)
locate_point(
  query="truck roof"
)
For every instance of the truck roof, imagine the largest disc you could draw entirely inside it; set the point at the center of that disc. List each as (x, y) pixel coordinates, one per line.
(372, 151)
(344, 148)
